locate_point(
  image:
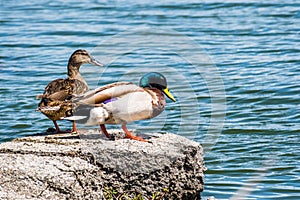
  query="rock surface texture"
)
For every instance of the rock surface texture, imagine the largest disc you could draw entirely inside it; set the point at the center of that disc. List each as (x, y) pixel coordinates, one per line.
(89, 166)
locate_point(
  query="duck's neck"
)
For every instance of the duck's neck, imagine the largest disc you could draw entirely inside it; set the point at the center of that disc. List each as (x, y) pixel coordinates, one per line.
(73, 72)
(156, 94)
(73, 69)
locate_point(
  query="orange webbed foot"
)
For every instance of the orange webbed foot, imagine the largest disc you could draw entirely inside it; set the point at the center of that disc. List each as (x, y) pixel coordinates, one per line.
(132, 137)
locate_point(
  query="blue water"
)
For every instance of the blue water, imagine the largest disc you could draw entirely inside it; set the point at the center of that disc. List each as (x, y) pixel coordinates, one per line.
(232, 65)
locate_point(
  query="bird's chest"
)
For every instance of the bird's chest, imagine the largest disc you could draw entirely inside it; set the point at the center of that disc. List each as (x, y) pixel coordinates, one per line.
(76, 87)
(158, 102)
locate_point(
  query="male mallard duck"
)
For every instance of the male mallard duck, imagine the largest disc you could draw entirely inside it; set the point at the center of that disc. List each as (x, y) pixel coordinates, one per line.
(59, 90)
(123, 102)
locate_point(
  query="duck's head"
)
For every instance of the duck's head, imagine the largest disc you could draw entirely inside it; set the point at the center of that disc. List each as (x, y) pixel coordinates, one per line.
(156, 80)
(78, 58)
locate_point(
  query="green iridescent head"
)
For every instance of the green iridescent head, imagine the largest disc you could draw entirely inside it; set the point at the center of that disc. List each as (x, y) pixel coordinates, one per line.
(156, 80)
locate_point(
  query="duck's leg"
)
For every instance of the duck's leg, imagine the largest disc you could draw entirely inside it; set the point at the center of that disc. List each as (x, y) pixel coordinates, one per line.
(74, 130)
(103, 129)
(130, 136)
(58, 129)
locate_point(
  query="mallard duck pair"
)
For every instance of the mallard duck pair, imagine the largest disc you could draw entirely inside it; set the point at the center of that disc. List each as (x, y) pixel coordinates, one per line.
(117, 103)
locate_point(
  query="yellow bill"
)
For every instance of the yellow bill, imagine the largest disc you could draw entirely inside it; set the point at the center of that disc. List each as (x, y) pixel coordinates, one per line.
(167, 92)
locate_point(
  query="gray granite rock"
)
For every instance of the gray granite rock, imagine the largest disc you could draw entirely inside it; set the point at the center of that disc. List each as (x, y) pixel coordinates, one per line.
(89, 166)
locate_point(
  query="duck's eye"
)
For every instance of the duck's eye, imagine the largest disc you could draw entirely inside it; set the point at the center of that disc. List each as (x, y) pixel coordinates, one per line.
(83, 53)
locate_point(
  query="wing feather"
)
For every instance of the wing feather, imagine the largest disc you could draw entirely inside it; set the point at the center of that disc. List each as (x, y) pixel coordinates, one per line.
(114, 90)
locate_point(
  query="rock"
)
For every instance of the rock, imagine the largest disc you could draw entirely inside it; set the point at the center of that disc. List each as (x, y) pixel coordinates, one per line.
(89, 166)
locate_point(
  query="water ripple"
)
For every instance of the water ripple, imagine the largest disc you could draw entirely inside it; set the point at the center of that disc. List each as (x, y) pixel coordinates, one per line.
(254, 44)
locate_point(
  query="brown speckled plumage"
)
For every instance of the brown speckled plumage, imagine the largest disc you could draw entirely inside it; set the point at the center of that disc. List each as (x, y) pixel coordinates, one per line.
(60, 90)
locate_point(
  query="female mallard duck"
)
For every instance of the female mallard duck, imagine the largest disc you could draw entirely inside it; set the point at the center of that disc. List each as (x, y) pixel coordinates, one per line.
(59, 90)
(122, 102)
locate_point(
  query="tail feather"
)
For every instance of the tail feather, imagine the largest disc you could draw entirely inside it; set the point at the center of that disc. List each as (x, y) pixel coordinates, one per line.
(89, 115)
(47, 108)
(74, 118)
(40, 96)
